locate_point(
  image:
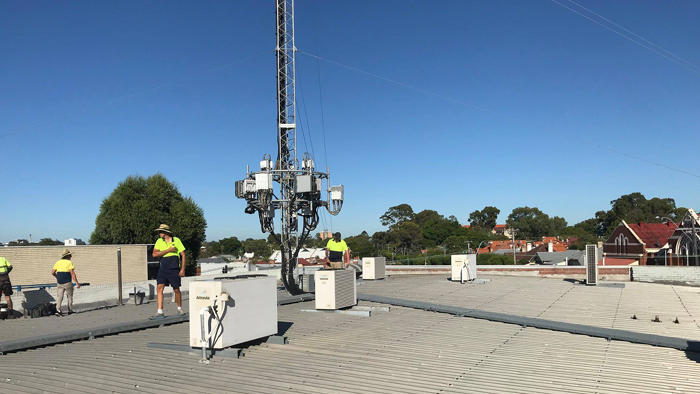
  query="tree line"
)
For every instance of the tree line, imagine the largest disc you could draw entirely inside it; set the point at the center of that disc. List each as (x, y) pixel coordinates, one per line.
(139, 204)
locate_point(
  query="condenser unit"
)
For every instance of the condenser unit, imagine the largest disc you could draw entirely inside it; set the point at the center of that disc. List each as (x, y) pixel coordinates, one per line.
(244, 309)
(591, 264)
(335, 289)
(463, 267)
(373, 268)
(307, 283)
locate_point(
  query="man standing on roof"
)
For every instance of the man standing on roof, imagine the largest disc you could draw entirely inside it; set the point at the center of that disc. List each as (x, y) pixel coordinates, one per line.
(6, 285)
(337, 253)
(64, 271)
(172, 267)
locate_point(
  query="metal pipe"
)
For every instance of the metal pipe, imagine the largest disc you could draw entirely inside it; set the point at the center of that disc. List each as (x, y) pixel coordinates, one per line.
(204, 334)
(119, 274)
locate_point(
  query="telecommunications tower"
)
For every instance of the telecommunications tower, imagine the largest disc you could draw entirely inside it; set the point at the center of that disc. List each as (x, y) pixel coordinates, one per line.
(296, 189)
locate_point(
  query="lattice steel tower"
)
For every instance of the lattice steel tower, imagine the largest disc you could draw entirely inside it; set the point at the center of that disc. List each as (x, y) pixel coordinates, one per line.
(299, 187)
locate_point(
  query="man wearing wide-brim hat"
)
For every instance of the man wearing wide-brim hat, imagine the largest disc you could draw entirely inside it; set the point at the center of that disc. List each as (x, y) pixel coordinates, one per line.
(64, 271)
(172, 267)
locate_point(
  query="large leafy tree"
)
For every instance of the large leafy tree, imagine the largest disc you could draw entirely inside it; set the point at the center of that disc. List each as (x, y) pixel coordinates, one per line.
(437, 231)
(426, 215)
(361, 246)
(259, 247)
(397, 214)
(486, 218)
(231, 246)
(408, 236)
(529, 223)
(138, 205)
(632, 208)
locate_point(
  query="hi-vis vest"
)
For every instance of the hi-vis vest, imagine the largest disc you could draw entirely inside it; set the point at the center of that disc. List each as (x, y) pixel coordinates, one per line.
(4, 266)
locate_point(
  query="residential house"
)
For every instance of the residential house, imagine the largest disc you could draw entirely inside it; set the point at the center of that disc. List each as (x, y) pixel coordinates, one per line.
(502, 229)
(565, 258)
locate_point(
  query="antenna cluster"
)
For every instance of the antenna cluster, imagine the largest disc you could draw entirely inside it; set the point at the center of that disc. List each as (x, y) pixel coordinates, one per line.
(300, 192)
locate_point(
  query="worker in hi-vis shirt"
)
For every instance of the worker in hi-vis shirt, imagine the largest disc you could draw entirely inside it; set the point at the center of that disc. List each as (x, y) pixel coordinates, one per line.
(172, 267)
(64, 271)
(337, 252)
(6, 285)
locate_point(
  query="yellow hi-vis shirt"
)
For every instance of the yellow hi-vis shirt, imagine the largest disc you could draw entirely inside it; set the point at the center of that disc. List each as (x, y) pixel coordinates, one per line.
(337, 246)
(161, 245)
(63, 268)
(4, 266)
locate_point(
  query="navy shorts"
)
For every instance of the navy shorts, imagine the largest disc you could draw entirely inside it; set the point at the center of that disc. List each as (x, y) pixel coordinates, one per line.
(169, 272)
(6, 287)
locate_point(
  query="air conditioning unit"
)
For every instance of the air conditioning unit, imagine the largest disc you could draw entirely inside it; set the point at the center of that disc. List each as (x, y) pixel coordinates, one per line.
(373, 268)
(246, 306)
(463, 267)
(335, 289)
(307, 283)
(592, 264)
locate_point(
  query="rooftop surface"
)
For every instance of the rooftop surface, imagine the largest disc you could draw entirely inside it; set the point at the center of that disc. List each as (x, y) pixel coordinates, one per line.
(403, 350)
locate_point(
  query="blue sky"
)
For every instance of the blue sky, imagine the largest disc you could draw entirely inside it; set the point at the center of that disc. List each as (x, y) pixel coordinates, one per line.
(565, 77)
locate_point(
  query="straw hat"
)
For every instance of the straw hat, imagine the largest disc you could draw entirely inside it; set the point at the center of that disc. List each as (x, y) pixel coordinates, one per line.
(65, 253)
(164, 228)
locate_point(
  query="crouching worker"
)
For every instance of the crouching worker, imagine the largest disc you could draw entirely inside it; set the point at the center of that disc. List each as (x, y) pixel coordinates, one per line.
(64, 271)
(172, 267)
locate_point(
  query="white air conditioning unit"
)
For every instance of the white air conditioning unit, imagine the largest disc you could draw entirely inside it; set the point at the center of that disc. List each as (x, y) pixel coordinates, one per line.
(591, 264)
(373, 268)
(246, 307)
(463, 267)
(335, 289)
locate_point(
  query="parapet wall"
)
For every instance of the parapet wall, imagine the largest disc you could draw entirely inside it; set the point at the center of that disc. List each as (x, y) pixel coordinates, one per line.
(678, 275)
(544, 271)
(94, 264)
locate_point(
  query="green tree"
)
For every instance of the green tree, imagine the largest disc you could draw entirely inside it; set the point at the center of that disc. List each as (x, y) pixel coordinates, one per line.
(360, 246)
(437, 231)
(138, 205)
(259, 247)
(558, 225)
(493, 259)
(49, 241)
(214, 248)
(529, 223)
(408, 236)
(486, 218)
(397, 214)
(272, 240)
(231, 246)
(426, 215)
(632, 208)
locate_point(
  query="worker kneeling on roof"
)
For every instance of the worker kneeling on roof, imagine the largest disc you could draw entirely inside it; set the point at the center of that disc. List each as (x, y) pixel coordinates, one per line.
(172, 267)
(337, 252)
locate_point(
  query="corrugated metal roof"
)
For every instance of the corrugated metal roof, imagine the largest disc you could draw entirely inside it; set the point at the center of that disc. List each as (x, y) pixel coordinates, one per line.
(561, 300)
(401, 351)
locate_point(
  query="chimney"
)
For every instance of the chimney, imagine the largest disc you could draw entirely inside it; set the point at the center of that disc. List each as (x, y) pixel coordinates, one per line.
(529, 246)
(550, 247)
